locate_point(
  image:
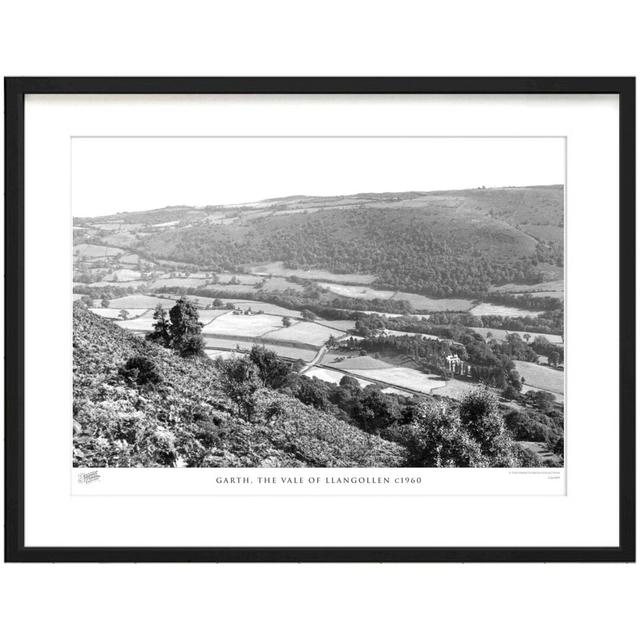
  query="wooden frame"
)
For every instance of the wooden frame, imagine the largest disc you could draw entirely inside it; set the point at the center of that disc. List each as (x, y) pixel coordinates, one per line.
(15, 91)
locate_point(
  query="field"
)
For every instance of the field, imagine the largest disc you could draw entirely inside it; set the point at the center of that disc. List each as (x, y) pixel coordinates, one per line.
(122, 275)
(328, 375)
(95, 251)
(501, 334)
(542, 287)
(307, 333)
(341, 325)
(541, 377)
(277, 269)
(359, 362)
(143, 323)
(489, 309)
(207, 315)
(423, 303)
(115, 313)
(455, 389)
(403, 377)
(177, 282)
(293, 353)
(544, 294)
(140, 302)
(265, 307)
(242, 326)
(280, 284)
(242, 278)
(352, 291)
(559, 397)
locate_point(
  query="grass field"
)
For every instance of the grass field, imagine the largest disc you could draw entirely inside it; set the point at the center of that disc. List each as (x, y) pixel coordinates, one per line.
(423, 303)
(122, 275)
(277, 269)
(244, 326)
(242, 278)
(143, 323)
(341, 325)
(489, 309)
(140, 302)
(354, 291)
(265, 307)
(280, 284)
(455, 389)
(115, 313)
(207, 315)
(548, 287)
(327, 375)
(403, 377)
(292, 353)
(541, 377)
(559, 397)
(178, 282)
(131, 258)
(358, 362)
(95, 251)
(304, 333)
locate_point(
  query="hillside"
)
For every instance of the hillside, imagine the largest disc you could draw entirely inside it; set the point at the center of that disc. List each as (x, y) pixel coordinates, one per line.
(455, 243)
(186, 419)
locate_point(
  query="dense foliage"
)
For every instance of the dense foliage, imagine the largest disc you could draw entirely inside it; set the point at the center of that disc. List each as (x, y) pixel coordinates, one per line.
(415, 245)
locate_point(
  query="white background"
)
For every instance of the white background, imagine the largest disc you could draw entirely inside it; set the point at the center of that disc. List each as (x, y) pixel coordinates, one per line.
(586, 516)
(401, 38)
(116, 174)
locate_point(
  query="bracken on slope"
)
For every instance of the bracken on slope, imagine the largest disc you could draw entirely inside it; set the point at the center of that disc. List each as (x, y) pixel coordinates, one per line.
(186, 419)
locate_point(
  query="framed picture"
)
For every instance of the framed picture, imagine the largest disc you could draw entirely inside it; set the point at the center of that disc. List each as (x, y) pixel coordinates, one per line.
(320, 319)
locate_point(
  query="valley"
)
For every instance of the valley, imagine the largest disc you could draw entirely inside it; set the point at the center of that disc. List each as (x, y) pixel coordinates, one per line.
(414, 296)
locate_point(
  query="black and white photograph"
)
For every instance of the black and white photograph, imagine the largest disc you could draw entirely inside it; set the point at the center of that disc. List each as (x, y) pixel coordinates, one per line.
(322, 302)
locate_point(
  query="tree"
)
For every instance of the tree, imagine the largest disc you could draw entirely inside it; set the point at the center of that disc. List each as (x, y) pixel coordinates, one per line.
(191, 345)
(217, 303)
(272, 371)
(435, 438)
(308, 315)
(349, 382)
(105, 303)
(185, 329)
(310, 392)
(240, 380)
(286, 321)
(481, 418)
(161, 329)
(124, 314)
(140, 370)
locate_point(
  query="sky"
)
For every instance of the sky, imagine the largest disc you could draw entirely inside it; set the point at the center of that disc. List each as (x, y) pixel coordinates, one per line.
(113, 174)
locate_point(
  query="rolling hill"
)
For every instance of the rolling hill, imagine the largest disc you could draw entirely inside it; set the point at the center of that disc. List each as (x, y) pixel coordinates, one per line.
(453, 243)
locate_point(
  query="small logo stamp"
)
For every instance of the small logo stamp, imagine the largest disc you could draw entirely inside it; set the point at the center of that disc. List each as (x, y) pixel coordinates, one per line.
(88, 477)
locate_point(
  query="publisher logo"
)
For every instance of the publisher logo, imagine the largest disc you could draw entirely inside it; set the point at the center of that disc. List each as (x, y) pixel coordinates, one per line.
(88, 477)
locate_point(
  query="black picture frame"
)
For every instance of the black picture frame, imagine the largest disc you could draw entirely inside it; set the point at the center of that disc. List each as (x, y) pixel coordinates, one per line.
(15, 91)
